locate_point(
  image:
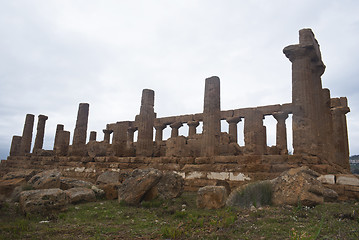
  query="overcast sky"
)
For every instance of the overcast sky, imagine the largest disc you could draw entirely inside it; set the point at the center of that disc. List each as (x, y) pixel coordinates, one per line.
(57, 54)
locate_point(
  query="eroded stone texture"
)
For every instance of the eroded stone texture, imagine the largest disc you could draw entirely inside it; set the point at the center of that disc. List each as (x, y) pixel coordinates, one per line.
(79, 139)
(93, 135)
(254, 133)
(211, 118)
(232, 128)
(175, 127)
(119, 140)
(61, 147)
(39, 139)
(192, 128)
(340, 132)
(211, 197)
(26, 139)
(159, 132)
(145, 121)
(15, 146)
(307, 68)
(59, 127)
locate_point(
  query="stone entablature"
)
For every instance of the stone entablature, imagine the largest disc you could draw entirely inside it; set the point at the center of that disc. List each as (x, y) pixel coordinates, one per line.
(318, 124)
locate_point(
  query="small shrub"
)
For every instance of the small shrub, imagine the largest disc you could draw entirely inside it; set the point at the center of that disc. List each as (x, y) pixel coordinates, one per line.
(180, 215)
(255, 194)
(171, 232)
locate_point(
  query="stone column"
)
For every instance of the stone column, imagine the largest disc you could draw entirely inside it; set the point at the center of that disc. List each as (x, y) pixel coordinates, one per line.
(15, 146)
(62, 145)
(175, 126)
(281, 138)
(26, 139)
(307, 68)
(107, 135)
(59, 128)
(340, 133)
(130, 135)
(119, 140)
(232, 128)
(159, 132)
(192, 128)
(93, 136)
(39, 139)
(327, 138)
(254, 133)
(145, 122)
(81, 125)
(211, 118)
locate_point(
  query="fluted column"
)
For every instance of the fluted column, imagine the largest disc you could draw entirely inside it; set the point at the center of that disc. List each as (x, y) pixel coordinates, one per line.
(39, 139)
(232, 128)
(80, 133)
(26, 139)
(145, 122)
(281, 138)
(107, 135)
(59, 128)
(192, 128)
(340, 133)
(211, 118)
(307, 68)
(175, 126)
(159, 132)
(15, 146)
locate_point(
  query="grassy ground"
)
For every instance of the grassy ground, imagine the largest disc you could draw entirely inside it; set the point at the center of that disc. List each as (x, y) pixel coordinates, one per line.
(166, 220)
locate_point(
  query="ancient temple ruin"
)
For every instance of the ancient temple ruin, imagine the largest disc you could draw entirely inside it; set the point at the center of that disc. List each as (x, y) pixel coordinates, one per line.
(319, 128)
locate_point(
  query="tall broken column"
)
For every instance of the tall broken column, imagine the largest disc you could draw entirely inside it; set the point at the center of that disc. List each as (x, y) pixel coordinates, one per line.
(59, 127)
(15, 146)
(39, 139)
(79, 139)
(211, 118)
(307, 68)
(26, 139)
(145, 122)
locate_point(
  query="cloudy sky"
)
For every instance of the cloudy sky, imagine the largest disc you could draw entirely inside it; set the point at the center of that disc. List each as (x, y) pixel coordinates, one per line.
(57, 54)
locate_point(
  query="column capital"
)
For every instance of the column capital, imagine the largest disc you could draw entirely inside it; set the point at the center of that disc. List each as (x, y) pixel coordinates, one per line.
(176, 125)
(280, 115)
(233, 120)
(193, 123)
(107, 131)
(340, 110)
(43, 117)
(160, 126)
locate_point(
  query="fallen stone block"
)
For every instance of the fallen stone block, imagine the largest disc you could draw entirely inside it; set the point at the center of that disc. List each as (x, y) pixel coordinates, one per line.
(46, 179)
(211, 197)
(80, 194)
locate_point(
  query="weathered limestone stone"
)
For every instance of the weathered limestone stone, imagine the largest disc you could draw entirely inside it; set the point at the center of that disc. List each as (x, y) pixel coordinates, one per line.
(39, 139)
(119, 140)
(25, 173)
(26, 139)
(211, 197)
(133, 189)
(327, 138)
(340, 132)
(307, 68)
(79, 139)
(108, 177)
(327, 179)
(254, 132)
(59, 127)
(175, 126)
(211, 118)
(232, 128)
(192, 128)
(176, 147)
(347, 179)
(42, 201)
(107, 135)
(67, 183)
(281, 138)
(170, 186)
(130, 135)
(145, 121)
(93, 135)
(46, 179)
(7, 186)
(80, 194)
(15, 146)
(61, 147)
(299, 186)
